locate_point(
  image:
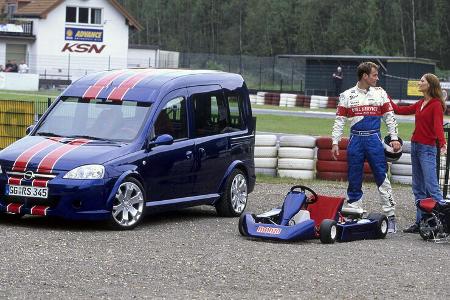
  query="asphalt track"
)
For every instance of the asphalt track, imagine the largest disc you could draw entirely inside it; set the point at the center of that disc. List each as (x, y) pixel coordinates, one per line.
(193, 254)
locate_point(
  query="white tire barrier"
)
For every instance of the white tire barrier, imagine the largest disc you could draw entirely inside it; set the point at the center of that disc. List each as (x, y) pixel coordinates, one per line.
(295, 164)
(260, 96)
(403, 170)
(304, 141)
(266, 162)
(406, 147)
(266, 151)
(265, 140)
(253, 99)
(297, 174)
(401, 179)
(288, 99)
(294, 152)
(266, 171)
(405, 159)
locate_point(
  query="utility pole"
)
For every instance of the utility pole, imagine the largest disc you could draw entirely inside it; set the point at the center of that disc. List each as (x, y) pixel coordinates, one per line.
(414, 26)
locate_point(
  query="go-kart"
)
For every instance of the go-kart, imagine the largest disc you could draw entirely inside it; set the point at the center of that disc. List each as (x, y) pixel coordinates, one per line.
(306, 215)
(435, 222)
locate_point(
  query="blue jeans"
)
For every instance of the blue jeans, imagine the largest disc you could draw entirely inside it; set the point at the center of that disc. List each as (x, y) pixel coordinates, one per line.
(424, 178)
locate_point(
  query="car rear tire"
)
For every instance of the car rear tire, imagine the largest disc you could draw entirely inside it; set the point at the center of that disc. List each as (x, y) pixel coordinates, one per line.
(128, 205)
(328, 231)
(382, 224)
(234, 199)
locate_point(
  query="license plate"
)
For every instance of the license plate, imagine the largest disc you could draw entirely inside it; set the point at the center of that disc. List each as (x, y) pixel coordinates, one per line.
(26, 191)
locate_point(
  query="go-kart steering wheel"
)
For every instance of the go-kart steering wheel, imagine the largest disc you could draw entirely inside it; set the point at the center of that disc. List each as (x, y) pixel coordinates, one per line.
(310, 199)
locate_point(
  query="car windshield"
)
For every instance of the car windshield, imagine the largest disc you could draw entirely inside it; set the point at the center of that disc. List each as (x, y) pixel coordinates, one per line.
(95, 119)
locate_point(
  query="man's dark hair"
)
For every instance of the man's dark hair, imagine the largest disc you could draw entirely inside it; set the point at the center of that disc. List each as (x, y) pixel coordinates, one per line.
(366, 68)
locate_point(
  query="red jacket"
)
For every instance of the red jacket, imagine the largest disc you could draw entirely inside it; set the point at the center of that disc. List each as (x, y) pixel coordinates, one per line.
(429, 121)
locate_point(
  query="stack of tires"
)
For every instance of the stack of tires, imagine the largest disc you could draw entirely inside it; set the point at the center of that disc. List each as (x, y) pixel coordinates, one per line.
(260, 98)
(329, 169)
(253, 98)
(332, 102)
(266, 152)
(272, 99)
(288, 100)
(296, 156)
(318, 102)
(306, 101)
(401, 170)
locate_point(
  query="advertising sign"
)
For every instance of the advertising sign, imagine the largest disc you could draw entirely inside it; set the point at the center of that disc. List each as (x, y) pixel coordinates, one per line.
(83, 34)
(413, 88)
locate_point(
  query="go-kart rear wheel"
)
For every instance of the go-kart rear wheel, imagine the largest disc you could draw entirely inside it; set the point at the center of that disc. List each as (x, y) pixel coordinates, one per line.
(328, 231)
(382, 224)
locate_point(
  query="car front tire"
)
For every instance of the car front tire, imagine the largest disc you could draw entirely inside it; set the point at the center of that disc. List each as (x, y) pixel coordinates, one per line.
(234, 199)
(128, 205)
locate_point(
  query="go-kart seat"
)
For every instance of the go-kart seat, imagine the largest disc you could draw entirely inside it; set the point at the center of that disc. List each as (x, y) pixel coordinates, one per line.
(325, 207)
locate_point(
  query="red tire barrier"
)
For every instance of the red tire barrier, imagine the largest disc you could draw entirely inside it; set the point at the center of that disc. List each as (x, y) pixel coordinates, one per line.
(332, 102)
(272, 99)
(339, 176)
(299, 101)
(335, 176)
(325, 142)
(337, 166)
(325, 154)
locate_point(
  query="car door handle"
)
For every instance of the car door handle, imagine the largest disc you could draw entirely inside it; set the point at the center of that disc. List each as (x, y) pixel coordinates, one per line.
(188, 154)
(201, 152)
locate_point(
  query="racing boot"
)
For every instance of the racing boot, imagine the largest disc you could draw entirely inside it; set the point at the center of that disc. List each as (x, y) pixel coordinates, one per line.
(354, 208)
(392, 224)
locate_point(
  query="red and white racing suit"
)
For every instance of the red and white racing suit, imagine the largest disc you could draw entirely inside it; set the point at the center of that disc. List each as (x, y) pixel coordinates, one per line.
(365, 109)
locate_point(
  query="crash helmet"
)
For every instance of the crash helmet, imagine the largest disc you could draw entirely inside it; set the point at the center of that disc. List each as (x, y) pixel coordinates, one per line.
(389, 152)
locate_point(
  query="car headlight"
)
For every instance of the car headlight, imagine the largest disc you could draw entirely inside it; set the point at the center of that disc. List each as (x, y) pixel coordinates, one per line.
(86, 172)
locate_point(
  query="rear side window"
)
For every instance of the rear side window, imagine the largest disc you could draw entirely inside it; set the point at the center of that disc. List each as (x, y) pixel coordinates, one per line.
(210, 113)
(173, 119)
(236, 108)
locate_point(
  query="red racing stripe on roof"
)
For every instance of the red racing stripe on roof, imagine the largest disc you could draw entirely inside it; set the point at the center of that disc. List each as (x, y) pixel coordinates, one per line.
(23, 159)
(119, 92)
(48, 162)
(93, 91)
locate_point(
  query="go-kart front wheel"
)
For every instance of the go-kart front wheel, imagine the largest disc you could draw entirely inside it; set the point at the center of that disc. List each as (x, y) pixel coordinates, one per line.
(382, 224)
(242, 226)
(328, 231)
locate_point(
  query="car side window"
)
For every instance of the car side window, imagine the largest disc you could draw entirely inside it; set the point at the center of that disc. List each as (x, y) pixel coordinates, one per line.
(210, 114)
(173, 119)
(236, 107)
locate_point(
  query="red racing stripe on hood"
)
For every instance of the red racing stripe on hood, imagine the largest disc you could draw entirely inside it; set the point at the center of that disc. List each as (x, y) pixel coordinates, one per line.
(23, 159)
(48, 162)
(93, 91)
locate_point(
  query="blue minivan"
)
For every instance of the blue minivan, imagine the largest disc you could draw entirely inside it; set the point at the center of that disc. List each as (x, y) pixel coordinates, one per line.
(118, 144)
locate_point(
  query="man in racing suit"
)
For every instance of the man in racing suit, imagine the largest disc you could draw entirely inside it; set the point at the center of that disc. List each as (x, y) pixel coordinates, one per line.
(364, 105)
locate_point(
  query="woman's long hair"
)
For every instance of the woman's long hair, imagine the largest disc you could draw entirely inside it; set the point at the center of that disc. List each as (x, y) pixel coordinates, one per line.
(435, 90)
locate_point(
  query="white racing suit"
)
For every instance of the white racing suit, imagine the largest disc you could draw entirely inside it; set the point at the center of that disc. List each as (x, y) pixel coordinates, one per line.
(365, 109)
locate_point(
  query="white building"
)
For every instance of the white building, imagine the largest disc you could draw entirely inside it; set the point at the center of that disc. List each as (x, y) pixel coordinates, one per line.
(66, 39)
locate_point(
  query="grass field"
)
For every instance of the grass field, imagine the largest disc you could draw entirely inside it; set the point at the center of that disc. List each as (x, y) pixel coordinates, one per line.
(40, 96)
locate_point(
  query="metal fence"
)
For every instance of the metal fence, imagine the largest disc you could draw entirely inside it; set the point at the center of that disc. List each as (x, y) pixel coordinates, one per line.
(16, 116)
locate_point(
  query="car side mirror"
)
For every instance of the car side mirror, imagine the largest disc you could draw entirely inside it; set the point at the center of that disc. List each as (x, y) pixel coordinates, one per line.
(29, 129)
(164, 139)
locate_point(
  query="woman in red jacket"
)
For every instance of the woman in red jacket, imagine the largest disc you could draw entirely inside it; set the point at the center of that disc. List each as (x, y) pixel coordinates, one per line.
(428, 133)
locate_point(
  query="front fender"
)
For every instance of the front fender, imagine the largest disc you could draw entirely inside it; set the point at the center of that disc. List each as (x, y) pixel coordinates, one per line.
(119, 181)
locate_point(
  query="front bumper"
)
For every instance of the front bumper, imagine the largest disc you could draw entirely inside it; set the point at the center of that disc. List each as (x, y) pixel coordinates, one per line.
(67, 198)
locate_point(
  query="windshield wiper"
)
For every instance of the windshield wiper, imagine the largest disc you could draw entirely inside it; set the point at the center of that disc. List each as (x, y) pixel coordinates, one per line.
(87, 137)
(42, 133)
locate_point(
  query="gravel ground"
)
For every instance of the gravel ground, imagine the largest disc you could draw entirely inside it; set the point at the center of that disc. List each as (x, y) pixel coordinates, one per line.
(194, 254)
